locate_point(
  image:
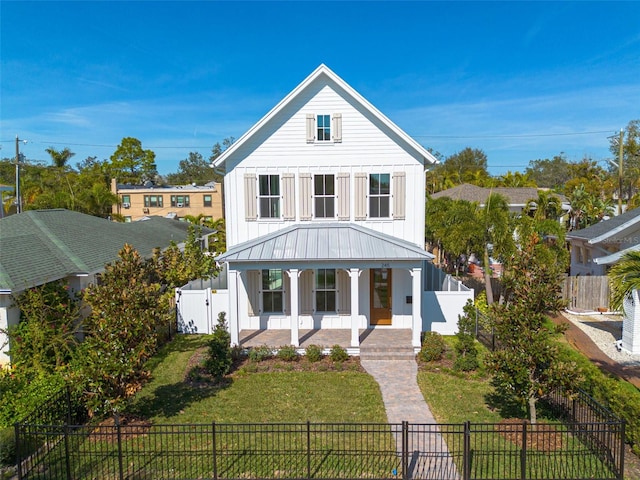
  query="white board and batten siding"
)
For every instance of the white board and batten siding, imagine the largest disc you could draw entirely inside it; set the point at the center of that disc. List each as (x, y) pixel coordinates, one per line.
(365, 147)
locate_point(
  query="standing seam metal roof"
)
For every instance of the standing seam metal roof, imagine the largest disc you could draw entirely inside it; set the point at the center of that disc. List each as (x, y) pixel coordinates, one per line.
(324, 242)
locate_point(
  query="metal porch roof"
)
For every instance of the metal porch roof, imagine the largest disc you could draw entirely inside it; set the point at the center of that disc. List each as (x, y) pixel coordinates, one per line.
(324, 242)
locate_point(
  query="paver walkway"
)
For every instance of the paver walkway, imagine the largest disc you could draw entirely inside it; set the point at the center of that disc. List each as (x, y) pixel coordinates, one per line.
(403, 401)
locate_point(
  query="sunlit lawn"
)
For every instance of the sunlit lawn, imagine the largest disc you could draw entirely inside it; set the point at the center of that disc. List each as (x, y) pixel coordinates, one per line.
(343, 396)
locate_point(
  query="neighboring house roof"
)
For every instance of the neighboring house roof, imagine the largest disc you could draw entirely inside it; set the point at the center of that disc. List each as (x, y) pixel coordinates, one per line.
(324, 75)
(324, 242)
(607, 229)
(473, 193)
(40, 246)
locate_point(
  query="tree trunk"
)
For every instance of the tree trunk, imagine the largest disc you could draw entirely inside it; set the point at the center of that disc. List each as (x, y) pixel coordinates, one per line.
(487, 276)
(532, 410)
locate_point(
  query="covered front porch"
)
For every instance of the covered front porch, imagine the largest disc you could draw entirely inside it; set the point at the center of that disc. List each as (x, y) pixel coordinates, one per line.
(303, 280)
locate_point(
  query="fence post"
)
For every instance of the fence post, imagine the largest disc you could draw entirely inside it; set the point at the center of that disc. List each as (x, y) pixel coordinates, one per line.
(621, 466)
(67, 452)
(68, 399)
(308, 449)
(466, 460)
(120, 468)
(18, 455)
(405, 450)
(215, 451)
(523, 452)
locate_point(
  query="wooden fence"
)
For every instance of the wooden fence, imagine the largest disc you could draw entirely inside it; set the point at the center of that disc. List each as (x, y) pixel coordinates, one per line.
(588, 293)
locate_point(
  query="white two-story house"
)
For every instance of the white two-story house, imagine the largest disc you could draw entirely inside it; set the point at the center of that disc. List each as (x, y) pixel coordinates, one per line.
(325, 217)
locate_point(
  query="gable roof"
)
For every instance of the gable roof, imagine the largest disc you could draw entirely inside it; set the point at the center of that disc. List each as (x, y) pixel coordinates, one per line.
(607, 229)
(324, 242)
(326, 75)
(40, 246)
(473, 193)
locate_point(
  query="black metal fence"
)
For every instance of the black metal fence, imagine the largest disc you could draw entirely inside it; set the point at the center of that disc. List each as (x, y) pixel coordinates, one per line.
(140, 450)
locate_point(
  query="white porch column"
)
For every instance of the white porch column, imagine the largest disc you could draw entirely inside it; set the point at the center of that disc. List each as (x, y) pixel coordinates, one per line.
(234, 322)
(354, 274)
(416, 304)
(294, 274)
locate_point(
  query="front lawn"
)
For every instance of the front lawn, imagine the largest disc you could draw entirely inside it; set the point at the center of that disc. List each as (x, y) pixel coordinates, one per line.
(281, 396)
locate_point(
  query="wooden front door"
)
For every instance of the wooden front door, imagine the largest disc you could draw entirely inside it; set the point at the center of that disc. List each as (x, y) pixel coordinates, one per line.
(380, 296)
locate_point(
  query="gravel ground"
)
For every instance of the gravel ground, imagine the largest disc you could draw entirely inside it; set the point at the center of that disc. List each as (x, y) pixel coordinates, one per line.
(604, 330)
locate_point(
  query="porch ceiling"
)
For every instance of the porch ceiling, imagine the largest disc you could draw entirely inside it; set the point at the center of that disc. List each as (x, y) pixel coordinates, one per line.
(324, 242)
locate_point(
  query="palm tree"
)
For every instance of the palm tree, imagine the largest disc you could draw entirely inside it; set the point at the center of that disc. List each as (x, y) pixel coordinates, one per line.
(624, 278)
(60, 157)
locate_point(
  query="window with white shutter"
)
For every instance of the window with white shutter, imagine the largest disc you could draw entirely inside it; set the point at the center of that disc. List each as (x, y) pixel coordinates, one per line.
(344, 292)
(288, 196)
(306, 197)
(361, 183)
(342, 196)
(311, 128)
(250, 199)
(253, 292)
(399, 195)
(337, 127)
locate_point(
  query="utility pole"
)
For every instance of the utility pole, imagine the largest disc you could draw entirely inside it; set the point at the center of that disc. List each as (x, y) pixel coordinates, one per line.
(620, 172)
(18, 196)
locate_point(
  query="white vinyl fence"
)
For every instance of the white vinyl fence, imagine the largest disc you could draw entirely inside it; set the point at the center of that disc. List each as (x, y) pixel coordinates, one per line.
(631, 323)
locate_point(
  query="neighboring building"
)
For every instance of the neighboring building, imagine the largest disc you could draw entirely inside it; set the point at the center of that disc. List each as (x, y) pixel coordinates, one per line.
(325, 217)
(517, 197)
(595, 248)
(139, 201)
(41, 246)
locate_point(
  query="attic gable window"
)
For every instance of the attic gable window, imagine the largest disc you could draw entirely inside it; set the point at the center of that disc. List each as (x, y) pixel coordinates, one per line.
(324, 128)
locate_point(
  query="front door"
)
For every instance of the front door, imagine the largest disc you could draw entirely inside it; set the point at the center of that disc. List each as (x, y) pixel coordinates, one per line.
(380, 296)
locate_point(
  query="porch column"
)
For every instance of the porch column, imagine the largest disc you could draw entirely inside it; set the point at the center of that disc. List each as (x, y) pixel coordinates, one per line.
(416, 310)
(294, 273)
(234, 323)
(354, 274)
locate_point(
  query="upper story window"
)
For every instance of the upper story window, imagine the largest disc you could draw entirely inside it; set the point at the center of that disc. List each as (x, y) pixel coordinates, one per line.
(269, 196)
(379, 195)
(324, 196)
(272, 291)
(326, 290)
(180, 201)
(207, 200)
(323, 128)
(126, 199)
(153, 201)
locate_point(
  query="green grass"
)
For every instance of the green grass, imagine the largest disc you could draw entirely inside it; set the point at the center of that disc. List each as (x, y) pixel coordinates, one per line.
(344, 396)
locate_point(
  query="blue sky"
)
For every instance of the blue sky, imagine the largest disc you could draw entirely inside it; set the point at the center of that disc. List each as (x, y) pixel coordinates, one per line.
(519, 80)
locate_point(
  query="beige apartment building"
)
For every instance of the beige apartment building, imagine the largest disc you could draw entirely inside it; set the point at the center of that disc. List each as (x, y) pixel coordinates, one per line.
(173, 201)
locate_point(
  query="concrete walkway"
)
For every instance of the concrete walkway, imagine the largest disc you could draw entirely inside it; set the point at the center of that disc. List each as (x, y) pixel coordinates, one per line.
(403, 401)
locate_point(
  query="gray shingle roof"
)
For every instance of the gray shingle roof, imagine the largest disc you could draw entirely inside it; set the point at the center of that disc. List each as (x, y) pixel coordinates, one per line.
(40, 246)
(324, 242)
(608, 227)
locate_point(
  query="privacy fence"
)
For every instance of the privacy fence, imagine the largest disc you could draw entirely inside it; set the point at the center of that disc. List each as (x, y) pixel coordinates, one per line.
(585, 445)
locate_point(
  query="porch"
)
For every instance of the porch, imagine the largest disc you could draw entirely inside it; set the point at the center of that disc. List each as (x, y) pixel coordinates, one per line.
(391, 338)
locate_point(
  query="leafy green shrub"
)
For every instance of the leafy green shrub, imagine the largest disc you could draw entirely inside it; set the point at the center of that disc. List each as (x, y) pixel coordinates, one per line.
(7, 446)
(433, 347)
(219, 358)
(465, 346)
(338, 354)
(288, 353)
(313, 353)
(261, 353)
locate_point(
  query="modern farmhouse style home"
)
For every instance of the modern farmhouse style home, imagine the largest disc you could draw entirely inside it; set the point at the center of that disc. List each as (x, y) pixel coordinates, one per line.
(325, 215)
